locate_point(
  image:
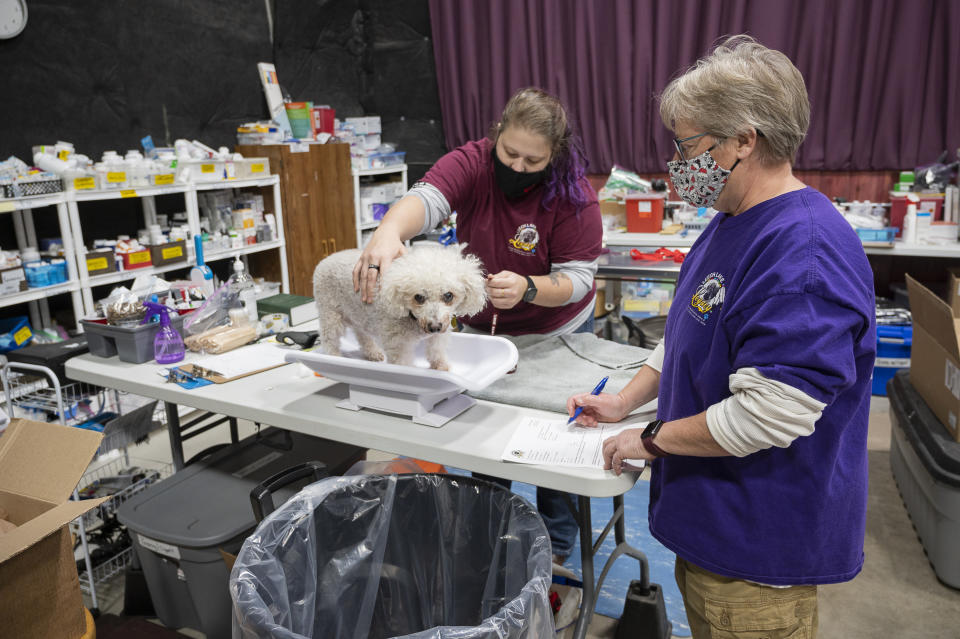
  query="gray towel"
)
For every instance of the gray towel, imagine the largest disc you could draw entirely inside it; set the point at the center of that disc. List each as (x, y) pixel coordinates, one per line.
(549, 371)
(604, 352)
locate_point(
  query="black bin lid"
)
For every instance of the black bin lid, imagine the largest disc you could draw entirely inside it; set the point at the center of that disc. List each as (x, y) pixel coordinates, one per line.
(930, 439)
(208, 503)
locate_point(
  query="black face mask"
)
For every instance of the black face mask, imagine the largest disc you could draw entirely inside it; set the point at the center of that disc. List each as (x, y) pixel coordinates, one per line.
(515, 184)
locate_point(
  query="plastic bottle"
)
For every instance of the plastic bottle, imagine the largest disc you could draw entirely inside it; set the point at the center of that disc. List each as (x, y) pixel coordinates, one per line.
(242, 285)
(167, 344)
(200, 275)
(909, 234)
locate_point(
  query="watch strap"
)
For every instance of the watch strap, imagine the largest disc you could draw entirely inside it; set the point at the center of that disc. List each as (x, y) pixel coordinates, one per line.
(531, 291)
(647, 437)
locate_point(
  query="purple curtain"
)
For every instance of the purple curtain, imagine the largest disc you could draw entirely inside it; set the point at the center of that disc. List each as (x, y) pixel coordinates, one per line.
(882, 74)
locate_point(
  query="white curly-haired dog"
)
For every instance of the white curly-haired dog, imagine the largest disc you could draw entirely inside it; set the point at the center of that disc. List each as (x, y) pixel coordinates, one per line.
(417, 297)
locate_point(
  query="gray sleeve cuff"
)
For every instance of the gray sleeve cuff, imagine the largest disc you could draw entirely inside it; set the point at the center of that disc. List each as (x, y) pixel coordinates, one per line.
(435, 205)
(581, 275)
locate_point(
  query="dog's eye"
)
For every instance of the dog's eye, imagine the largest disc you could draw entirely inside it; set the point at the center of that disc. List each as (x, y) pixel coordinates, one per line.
(419, 299)
(447, 297)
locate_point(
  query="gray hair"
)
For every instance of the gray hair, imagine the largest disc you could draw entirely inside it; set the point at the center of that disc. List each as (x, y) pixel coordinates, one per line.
(742, 85)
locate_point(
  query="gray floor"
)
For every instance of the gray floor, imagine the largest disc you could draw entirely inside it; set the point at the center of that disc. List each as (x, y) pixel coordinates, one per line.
(896, 595)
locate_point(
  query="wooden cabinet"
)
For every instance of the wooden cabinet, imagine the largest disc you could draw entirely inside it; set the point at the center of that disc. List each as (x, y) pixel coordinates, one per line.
(318, 208)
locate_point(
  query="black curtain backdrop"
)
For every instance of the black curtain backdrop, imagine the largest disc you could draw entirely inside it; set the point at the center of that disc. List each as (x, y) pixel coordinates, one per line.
(882, 75)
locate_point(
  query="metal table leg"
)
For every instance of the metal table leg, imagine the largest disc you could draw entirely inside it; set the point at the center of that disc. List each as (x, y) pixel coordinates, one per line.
(173, 430)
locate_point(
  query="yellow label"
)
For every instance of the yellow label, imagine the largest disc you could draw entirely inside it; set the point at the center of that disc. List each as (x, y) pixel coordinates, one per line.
(115, 177)
(22, 335)
(166, 178)
(96, 263)
(139, 257)
(84, 183)
(248, 222)
(128, 193)
(256, 168)
(173, 251)
(208, 168)
(63, 154)
(6, 207)
(642, 305)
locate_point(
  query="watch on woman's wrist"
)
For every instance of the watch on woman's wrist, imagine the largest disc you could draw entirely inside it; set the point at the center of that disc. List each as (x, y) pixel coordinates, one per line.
(531, 291)
(647, 437)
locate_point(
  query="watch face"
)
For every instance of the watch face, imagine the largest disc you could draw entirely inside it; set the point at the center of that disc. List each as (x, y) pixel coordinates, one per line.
(13, 17)
(651, 429)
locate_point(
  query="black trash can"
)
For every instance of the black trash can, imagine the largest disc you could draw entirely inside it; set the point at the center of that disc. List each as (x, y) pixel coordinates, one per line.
(396, 555)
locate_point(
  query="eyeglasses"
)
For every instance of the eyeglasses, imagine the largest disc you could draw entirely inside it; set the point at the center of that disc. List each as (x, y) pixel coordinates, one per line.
(678, 142)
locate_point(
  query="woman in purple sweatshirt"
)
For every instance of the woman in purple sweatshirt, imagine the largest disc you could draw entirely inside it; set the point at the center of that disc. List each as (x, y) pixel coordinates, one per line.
(759, 457)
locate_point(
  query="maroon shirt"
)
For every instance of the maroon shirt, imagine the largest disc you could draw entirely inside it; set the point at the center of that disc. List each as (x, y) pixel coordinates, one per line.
(516, 235)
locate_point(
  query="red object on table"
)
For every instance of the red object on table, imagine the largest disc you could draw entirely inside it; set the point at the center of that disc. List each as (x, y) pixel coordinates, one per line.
(662, 254)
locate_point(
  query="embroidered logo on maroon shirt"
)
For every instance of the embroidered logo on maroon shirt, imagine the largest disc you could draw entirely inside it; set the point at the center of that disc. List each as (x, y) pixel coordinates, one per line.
(525, 241)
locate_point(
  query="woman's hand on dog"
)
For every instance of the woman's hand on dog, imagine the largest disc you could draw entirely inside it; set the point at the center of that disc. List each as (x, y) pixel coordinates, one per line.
(384, 247)
(505, 289)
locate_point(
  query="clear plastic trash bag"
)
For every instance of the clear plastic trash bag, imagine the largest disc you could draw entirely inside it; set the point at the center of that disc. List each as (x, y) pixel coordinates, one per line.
(418, 555)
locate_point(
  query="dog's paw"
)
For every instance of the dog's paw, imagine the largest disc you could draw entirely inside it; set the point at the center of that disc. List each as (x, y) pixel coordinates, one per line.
(440, 365)
(374, 356)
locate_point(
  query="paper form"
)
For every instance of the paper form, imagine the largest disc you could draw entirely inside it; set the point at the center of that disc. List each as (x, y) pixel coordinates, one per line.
(555, 443)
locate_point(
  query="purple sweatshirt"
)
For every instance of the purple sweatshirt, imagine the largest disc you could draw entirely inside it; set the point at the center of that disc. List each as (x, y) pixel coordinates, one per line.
(784, 288)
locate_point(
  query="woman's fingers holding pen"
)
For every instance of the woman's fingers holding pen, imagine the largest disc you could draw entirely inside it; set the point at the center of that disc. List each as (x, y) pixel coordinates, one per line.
(589, 404)
(605, 407)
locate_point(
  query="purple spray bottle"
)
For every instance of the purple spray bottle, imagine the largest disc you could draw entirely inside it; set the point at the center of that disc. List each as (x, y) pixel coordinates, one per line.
(167, 345)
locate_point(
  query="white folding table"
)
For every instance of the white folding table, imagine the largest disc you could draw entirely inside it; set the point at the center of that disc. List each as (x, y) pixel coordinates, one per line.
(292, 398)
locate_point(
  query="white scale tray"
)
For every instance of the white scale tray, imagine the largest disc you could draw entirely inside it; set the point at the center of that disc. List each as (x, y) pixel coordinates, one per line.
(429, 396)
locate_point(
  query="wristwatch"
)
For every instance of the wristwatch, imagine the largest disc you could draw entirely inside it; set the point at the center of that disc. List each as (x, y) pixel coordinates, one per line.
(646, 438)
(531, 290)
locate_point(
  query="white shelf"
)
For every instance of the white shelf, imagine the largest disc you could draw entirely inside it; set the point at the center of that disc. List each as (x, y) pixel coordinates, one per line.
(246, 250)
(359, 226)
(268, 180)
(32, 202)
(117, 194)
(119, 276)
(38, 293)
(899, 248)
(399, 168)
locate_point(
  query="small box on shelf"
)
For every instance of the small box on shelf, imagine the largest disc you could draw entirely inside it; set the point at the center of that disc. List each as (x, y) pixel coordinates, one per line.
(136, 259)
(12, 280)
(101, 261)
(168, 253)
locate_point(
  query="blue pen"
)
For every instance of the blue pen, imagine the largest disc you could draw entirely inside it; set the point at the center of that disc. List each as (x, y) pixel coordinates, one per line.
(596, 391)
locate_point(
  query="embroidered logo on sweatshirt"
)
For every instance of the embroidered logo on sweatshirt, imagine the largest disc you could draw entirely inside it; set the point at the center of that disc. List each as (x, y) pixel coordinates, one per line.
(526, 240)
(708, 297)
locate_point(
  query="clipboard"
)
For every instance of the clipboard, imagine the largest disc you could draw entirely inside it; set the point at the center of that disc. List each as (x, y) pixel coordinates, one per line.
(238, 363)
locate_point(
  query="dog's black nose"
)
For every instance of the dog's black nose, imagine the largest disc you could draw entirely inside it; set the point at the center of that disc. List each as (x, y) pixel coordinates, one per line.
(434, 327)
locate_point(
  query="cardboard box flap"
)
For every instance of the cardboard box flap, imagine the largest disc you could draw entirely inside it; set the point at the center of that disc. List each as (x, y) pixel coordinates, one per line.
(22, 537)
(45, 461)
(934, 315)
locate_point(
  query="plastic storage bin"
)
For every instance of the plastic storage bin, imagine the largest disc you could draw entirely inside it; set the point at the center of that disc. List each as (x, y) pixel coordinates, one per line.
(877, 235)
(925, 462)
(179, 525)
(40, 274)
(414, 555)
(133, 344)
(932, 202)
(893, 354)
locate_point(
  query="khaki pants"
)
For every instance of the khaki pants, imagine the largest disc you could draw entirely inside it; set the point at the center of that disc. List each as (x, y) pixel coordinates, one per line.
(724, 608)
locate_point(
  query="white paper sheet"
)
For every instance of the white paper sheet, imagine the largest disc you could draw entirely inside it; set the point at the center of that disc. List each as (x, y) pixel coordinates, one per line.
(553, 442)
(244, 360)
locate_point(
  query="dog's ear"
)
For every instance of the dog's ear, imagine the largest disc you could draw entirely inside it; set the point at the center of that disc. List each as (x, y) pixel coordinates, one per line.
(474, 286)
(391, 294)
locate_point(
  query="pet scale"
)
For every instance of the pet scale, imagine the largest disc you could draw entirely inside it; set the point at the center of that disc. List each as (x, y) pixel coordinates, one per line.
(431, 397)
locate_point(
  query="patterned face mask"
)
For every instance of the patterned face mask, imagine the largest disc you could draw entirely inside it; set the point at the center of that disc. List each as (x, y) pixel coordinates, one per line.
(699, 180)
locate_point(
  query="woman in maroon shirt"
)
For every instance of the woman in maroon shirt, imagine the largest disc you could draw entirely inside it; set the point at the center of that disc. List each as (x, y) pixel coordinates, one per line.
(526, 209)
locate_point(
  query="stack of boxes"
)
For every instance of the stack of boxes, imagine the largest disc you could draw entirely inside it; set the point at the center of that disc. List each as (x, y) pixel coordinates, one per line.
(367, 150)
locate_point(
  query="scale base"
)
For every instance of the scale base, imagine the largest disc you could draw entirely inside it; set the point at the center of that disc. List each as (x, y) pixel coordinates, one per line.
(429, 410)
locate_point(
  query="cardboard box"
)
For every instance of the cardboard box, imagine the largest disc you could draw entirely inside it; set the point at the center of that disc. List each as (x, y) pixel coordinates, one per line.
(40, 465)
(101, 261)
(935, 355)
(953, 290)
(12, 280)
(169, 253)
